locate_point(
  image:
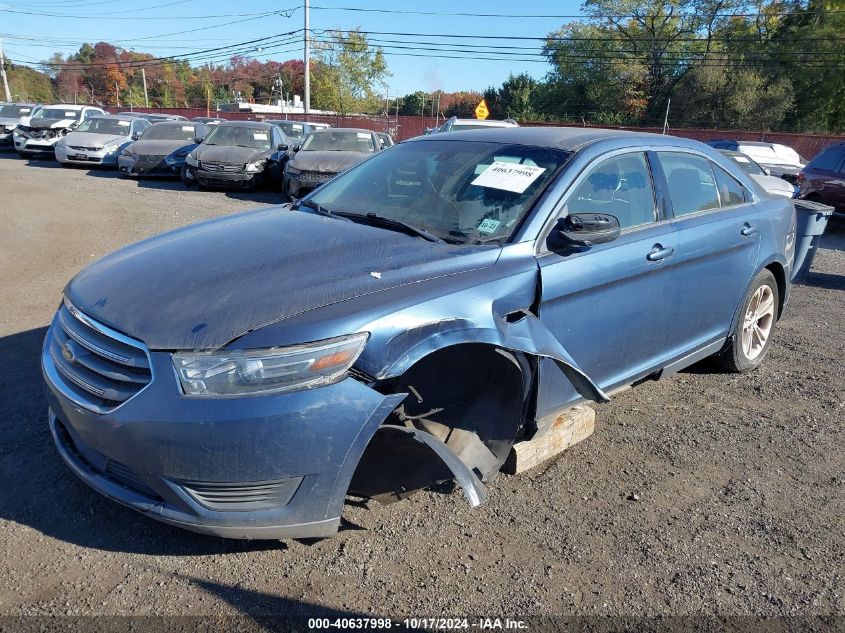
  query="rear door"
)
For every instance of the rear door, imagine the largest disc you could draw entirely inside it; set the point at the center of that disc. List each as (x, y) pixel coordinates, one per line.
(718, 228)
(610, 305)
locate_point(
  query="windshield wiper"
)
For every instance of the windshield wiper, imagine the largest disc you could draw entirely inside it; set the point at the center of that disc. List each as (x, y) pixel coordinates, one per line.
(310, 204)
(386, 222)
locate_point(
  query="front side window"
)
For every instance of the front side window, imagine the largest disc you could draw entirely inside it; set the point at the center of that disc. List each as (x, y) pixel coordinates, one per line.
(462, 191)
(692, 186)
(730, 191)
(619, 186)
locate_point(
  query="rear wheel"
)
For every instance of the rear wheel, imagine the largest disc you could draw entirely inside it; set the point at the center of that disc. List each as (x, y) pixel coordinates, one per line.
(755, 325)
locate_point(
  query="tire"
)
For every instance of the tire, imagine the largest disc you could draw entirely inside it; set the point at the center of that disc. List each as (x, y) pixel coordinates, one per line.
(755, 325)
(183, 175)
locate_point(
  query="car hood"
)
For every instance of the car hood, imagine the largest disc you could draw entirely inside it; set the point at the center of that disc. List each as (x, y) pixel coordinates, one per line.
(50, 124)
(230, 153)
(91, 139)
(774, 186)
(156, 147)
(326, 162)
(202, 286)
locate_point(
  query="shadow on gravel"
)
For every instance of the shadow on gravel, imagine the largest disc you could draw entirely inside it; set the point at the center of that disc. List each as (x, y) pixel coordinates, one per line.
(265, 608)
(43, 163)
(829, 281)
(41, 493)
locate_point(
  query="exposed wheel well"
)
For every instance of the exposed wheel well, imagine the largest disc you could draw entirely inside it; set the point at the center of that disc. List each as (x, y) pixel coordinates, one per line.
(473, 397)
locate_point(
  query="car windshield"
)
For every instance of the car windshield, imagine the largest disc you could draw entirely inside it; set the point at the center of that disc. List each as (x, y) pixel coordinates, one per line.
(119, 127)
(168, 132)
(291, 129)
(461, 191)
(339, 141)
(15, 111)
(57, 114)
(748, 165)
(240, 136)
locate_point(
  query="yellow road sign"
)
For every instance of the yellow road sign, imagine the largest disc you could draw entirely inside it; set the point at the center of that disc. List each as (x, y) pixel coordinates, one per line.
(481, 111)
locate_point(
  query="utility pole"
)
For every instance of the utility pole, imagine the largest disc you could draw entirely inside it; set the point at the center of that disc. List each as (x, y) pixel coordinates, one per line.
(3, 72)
(307, 60)
(666, 118)
(117, 94)
(144, 78)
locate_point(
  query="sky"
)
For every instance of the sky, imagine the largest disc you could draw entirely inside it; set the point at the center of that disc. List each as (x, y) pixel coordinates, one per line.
(157, 27)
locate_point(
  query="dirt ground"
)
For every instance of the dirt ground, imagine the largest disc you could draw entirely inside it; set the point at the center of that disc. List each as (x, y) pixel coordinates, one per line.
(739, 480)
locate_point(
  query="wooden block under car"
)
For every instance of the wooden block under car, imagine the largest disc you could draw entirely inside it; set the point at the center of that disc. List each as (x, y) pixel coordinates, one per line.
(570, 427)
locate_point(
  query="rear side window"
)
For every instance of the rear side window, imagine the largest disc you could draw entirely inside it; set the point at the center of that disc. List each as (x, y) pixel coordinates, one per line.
(830, 159)
(731, 192)
(692, 186)
(619, 186)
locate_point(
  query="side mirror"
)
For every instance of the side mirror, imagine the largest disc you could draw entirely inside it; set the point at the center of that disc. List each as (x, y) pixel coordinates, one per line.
(199, 139)
(282, 147)
(136, 136)
(586, 229)
(297, 147)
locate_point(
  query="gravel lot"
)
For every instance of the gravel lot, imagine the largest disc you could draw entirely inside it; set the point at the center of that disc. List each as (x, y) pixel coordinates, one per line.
(740, 480)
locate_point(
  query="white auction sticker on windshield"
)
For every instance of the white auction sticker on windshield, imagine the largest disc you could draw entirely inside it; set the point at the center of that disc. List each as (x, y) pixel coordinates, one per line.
(187, 128)
(509, 177)
(259, 136)
(488, 226)
(740, 159)
(296, 127)
(123, 123)
(70, 115)
(364, 136)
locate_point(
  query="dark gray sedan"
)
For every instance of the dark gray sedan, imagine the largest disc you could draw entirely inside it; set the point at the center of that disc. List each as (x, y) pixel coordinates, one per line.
(324, 154)
(162, 149)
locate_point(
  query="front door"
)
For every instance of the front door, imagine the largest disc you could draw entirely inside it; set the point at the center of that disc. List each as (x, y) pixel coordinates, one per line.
(610, 305)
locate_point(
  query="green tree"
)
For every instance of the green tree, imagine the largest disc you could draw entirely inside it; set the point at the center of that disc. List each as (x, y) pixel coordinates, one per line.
(349, 75)
(27, 84)
(516, 97)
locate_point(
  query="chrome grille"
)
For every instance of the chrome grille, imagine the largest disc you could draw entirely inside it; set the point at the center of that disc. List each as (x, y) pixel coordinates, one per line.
(210, 165)
(79, 148)
(95, 367)
(315, 176)
(151, 158)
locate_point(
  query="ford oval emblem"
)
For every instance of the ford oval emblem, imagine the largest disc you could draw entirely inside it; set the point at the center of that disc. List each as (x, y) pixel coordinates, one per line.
(67, 352)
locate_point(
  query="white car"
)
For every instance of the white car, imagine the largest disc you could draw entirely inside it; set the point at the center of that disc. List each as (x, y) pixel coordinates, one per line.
(455, 125)
(10, 116)
(775, 158)
(39, 133)
(772, 184)
(99, 140)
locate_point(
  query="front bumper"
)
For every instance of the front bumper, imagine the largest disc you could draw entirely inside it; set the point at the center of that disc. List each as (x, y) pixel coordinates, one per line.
(65, 154)
(156, 450)
(300, 184)
(38, 145)
(224, 179)
(137, 167)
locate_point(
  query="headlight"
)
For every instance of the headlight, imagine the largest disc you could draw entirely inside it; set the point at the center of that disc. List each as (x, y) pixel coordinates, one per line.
(191, 160)
(256, 166)
(276, 370)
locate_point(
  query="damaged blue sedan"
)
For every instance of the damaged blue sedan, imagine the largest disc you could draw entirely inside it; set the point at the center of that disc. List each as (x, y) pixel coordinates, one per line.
(406, 323)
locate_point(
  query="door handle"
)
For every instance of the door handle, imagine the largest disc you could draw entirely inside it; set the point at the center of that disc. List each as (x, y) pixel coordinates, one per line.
(659, 253)
(748, 230)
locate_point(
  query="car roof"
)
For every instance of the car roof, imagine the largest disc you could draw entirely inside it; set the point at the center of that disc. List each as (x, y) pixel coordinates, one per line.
(490, 122)
(173, 123)
(276, 121)
(117, 116)
(258, 125)
(69, 106)
(564, 138)
(343, 129)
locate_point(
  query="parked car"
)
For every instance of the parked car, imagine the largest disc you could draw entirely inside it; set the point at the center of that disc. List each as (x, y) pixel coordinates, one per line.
(324, 154)
(777, 159)
(10, 115)
(823, 179)
(156, 117)
(772, 184)
(245, 154)
(406, 323)
(208, 120)
(385, 139)
(39, 133)
(455, 124)
(162, 149)
(295, 131)
(98, 141)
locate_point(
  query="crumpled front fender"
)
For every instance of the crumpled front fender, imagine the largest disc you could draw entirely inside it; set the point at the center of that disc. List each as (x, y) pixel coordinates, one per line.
(523, 333)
